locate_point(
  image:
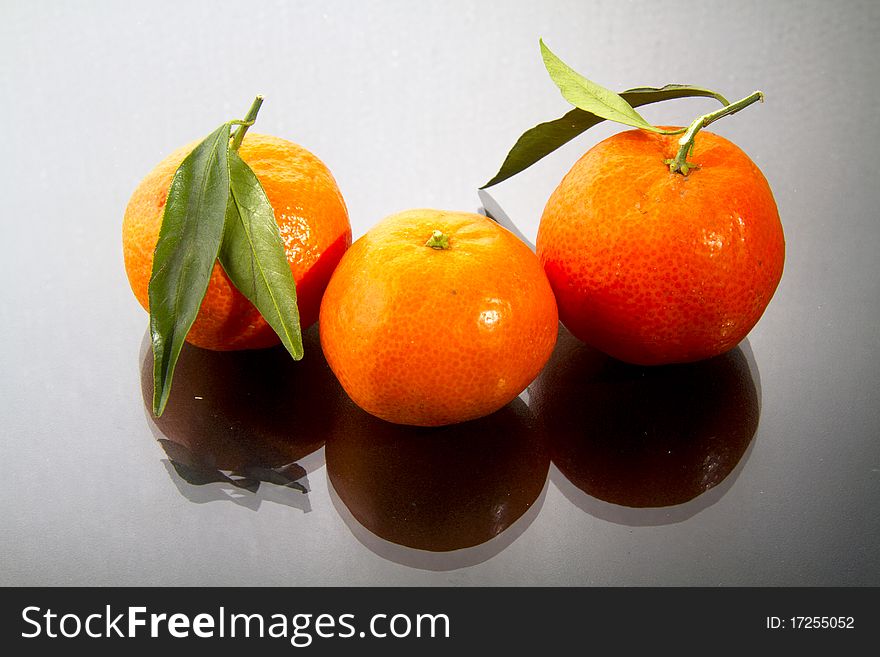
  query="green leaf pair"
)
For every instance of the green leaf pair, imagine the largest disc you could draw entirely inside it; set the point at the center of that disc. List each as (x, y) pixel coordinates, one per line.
(216, 209)
(593, 104)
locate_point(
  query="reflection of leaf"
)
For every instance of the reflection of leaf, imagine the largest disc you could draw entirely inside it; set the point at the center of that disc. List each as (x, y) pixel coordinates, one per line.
(286, 475)
(200, 476)
(177, 452)
(198, 472)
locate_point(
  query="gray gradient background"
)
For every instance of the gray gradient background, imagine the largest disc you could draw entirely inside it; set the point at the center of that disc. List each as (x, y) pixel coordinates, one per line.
(415, 104)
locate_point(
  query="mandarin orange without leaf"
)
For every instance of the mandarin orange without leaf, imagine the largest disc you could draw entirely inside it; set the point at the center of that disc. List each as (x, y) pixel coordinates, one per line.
(434, 318)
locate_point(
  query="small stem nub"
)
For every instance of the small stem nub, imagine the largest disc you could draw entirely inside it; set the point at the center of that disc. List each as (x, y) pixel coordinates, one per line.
(246, 123)
(438, 241)
(679, 163)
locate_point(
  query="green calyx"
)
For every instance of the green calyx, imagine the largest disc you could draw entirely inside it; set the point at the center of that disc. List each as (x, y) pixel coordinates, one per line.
(438, 241)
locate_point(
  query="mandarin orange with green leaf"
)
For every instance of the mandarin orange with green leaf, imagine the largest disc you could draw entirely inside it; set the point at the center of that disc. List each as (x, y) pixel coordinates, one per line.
(229, 244)
(311, 216)
(434, 318)
(662, 244)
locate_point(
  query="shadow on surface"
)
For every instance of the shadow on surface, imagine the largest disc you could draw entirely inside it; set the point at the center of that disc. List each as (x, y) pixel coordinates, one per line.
(239, 419)
(437, 498)
(489, 207)
(646, 445)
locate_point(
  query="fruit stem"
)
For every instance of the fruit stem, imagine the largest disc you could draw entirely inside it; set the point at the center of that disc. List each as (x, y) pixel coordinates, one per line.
(438, 241)
(245, 123)
(679, 163)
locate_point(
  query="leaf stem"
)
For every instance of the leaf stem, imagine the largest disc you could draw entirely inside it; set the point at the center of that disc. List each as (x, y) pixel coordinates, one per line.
(679, 163)
(245, 123)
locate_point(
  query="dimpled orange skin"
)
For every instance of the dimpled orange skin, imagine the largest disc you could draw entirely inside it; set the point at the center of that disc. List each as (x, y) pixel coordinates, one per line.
(654, 267)
(429, 337)
(312, 219)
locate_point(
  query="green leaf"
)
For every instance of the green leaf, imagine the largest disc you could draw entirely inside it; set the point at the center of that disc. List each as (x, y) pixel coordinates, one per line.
(189, 240)
(646, 95)
(545, 138)
(253, 256)
(588, 95)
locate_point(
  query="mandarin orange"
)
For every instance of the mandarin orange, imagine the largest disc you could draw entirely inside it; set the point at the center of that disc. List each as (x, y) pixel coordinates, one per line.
(433, 318)
(311, 215)
(655, 267)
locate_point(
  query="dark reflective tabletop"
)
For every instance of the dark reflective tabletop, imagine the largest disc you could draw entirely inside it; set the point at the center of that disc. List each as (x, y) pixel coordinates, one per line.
(759, 467)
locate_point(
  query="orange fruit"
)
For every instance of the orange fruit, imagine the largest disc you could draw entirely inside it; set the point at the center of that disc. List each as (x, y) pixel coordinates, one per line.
(432, 336)
(311, 216)
(654, 267)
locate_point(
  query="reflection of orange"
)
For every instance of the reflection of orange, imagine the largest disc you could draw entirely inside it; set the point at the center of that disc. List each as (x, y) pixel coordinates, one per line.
(645, 436)
(311, 215)
(432, 336)
(235, 410)
(655, 267)
(437, 489)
